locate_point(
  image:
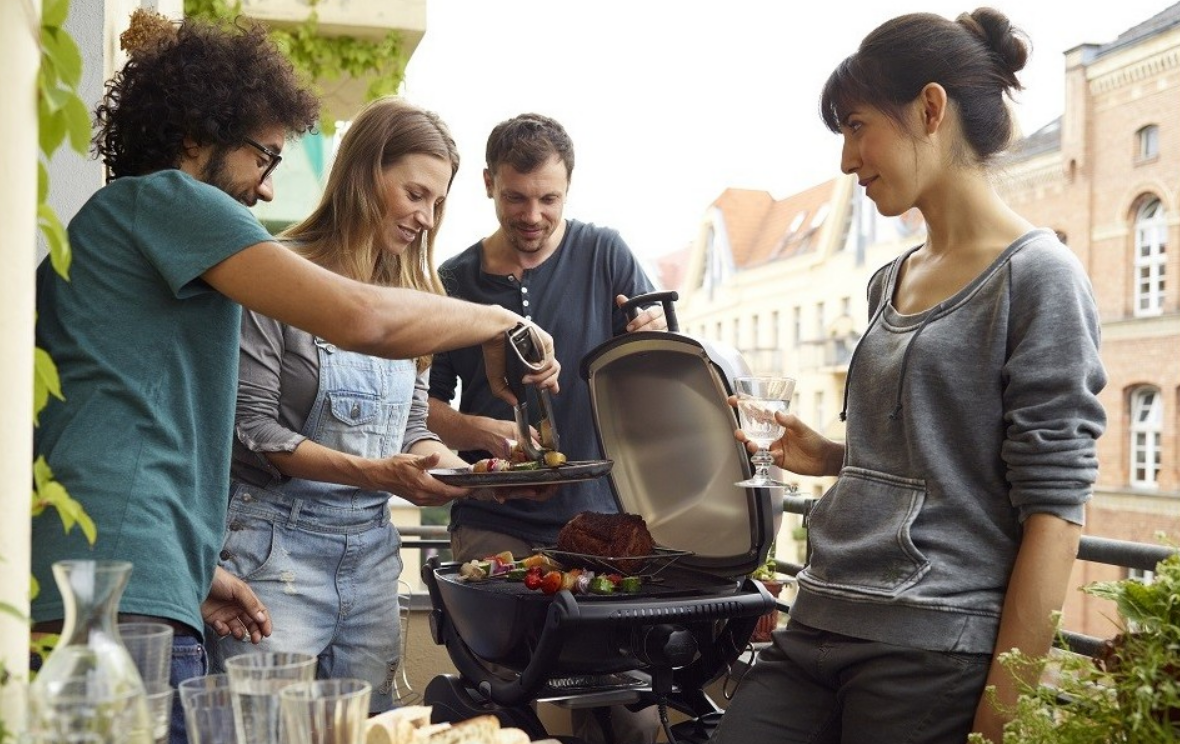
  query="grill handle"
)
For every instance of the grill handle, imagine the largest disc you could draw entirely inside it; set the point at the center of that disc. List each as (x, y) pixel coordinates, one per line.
(631, 307)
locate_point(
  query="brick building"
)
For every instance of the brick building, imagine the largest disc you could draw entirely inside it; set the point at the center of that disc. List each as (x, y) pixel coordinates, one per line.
(1106, 175)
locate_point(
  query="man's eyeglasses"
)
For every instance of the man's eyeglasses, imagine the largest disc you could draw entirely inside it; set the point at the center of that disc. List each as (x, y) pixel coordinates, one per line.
(271, 164)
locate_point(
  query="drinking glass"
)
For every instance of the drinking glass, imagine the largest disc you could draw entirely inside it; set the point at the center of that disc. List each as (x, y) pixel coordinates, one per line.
(758, 399)
(150, 646)
(326, 711)
(206, 683)
(255, 680)
(209, 714)
(159, 700)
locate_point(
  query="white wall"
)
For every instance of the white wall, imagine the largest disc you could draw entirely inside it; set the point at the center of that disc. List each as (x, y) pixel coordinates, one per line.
(19, 56)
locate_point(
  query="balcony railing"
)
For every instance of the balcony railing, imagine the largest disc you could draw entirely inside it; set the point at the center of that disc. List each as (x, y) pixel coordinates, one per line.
(1093, 549)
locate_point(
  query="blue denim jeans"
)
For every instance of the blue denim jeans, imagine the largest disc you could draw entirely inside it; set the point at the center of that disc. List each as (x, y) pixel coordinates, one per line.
(328, 578)
(188, 660)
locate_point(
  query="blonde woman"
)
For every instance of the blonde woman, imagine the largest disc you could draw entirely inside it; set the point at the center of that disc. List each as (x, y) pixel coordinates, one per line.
(325, 436)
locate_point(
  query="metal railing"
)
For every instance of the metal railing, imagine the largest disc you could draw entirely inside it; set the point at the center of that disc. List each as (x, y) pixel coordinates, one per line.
(1093, 549)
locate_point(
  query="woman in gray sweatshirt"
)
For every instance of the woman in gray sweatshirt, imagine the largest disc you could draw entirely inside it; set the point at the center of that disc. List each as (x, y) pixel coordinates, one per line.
(972, 416)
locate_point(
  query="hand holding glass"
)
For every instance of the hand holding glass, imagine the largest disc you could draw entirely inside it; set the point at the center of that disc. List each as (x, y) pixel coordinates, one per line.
(758, 400)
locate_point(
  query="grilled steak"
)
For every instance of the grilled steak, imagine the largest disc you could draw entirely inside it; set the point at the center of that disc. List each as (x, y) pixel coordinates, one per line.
(607, 536)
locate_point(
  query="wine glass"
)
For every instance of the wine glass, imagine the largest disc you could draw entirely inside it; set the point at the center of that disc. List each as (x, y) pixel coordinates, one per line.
(758, 399)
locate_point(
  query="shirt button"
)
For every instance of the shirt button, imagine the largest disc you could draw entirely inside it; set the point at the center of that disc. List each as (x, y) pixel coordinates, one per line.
(525, 303)
(224, 555)
(528, 317)
(356, 410)
(524, 290)
(511, 278)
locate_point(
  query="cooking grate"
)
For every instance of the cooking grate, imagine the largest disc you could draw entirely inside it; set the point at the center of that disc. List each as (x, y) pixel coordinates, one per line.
(647, 566)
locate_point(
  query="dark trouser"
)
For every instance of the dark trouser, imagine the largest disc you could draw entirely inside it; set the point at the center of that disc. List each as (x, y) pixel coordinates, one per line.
(824, 688)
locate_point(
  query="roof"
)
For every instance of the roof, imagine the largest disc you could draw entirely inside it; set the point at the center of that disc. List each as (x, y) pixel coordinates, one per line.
(1046, 139)
(1158, 23)
(762, 229)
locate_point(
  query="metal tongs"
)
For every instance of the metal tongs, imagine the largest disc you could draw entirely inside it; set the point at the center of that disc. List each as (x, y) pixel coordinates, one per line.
(527, 354)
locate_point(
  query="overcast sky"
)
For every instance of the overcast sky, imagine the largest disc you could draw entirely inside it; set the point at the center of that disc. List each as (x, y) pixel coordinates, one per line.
(670, 102)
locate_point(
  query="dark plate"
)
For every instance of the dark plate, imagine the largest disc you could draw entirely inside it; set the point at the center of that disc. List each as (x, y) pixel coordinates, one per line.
(568, 473)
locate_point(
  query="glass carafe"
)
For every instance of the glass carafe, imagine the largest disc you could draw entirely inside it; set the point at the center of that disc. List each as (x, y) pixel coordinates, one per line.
(89, 691)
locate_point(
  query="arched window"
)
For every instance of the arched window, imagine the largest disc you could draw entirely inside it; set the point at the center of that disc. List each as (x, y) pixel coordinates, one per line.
(1151, 244)
(1147, 418)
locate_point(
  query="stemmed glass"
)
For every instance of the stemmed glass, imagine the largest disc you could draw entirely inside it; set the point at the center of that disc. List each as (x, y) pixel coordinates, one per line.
(758, 399)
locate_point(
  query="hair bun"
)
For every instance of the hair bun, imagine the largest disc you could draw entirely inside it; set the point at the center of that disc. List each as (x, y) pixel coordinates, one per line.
(147, 30)
(1009, 43)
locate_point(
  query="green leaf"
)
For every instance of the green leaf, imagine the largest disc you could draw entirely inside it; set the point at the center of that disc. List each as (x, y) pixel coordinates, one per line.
(48, 492)
(42, 182)
(58, 47)
(55, 98)
(54, 12)
(57, 239)
(52, 129)
(77, 120)
(46, 382)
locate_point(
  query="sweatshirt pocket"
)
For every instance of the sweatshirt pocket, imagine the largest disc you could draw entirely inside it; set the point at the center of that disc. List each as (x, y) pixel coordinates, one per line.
(860, 535)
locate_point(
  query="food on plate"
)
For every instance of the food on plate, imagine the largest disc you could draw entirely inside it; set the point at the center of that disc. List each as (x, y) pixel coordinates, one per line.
(518, 459)
(500, 465)
(613, 536)
(554, 459)
(491, 465)
(516, 452)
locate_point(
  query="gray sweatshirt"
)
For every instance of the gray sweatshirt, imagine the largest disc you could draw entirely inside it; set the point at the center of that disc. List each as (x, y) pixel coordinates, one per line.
(962, 421)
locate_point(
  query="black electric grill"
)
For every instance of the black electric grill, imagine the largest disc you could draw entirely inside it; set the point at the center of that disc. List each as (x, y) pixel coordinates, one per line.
(659, 402)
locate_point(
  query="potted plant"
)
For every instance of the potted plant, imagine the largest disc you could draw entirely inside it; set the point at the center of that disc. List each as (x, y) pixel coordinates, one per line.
(1130, 692)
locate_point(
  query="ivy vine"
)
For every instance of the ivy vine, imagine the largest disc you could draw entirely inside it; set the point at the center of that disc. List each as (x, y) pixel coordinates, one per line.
(61, 117)
(324, 58)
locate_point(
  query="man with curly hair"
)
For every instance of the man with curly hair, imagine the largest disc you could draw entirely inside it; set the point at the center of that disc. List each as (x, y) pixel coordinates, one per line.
(145, 332)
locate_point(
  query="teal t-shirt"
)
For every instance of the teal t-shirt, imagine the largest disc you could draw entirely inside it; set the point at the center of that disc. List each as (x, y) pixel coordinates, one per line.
(148, 356)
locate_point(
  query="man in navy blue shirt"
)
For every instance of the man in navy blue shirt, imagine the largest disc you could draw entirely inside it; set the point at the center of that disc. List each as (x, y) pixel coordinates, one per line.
(567, 276)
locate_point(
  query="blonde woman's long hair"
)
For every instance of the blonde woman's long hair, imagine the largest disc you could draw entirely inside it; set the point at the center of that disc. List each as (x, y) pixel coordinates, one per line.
(341, 234)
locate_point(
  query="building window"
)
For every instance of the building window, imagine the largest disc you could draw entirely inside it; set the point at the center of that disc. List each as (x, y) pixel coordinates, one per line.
(1148, 139)
(775, 330)
(1151, 243)
(755, 333)
(797, 326)
(819, 408)
(737, 333)
(1147, 417)
(820, 323)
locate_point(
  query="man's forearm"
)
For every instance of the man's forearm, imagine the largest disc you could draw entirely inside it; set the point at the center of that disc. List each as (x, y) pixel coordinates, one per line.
(465, 432)
(453, 428)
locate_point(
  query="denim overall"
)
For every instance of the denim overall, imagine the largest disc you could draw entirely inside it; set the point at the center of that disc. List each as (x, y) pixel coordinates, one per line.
(323, 558)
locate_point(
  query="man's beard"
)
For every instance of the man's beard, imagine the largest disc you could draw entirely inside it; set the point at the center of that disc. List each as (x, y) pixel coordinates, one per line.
(529, 245)
(217, 174)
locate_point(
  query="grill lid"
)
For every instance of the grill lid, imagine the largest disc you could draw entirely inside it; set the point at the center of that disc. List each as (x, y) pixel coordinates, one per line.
(660, 412)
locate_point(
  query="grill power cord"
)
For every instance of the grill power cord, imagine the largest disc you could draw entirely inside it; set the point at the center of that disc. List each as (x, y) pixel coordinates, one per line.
(664, 647)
